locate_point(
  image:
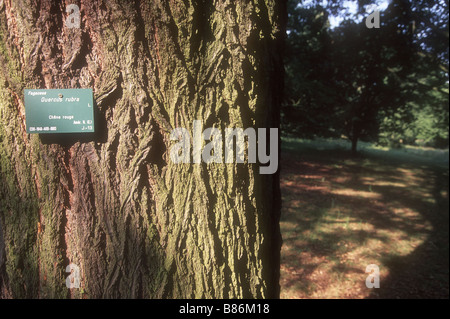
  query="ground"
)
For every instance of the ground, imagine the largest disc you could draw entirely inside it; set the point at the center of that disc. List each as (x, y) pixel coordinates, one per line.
(341, 213)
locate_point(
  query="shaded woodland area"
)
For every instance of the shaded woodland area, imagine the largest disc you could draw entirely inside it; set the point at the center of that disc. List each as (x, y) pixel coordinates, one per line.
(365, 155)
(387, 85)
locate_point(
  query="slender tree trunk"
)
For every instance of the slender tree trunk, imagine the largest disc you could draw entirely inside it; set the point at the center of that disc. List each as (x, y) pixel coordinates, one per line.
(354, 145)
(112, 203)
(355, 134)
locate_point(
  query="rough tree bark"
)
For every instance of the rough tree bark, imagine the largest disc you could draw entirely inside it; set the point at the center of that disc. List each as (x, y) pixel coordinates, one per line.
(112, 202)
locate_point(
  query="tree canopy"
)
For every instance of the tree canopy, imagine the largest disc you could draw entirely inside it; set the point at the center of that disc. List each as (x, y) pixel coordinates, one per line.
(387, 84)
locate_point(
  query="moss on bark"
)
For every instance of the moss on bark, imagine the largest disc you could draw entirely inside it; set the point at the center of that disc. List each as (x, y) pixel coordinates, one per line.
(113, 203)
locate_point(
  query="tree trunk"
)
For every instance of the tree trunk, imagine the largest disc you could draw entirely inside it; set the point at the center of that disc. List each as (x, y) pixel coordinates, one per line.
(354, 145)
(136, 224)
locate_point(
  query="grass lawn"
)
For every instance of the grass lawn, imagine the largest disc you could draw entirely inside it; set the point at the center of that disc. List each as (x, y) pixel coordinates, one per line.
(341, 213)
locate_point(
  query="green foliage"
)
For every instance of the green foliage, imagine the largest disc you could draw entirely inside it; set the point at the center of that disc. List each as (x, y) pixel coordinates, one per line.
(308, 94)
(388, 85)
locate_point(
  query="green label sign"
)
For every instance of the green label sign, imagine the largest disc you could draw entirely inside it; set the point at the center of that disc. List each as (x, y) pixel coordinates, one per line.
(59, 111)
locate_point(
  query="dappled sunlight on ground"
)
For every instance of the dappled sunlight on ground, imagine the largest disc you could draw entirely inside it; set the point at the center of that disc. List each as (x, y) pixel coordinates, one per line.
(341, 214)
(352, 192)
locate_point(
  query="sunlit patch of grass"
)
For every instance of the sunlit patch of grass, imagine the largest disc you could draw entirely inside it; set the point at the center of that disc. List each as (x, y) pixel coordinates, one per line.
(356, 193)
(386, 183)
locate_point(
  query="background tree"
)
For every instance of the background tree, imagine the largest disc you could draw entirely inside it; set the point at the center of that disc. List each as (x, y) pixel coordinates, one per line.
(112, 202)
(308, 63)
(422, 118)
(386, 85)
(371, 71)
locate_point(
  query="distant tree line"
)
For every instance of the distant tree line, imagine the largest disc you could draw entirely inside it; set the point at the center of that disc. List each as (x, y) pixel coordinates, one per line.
(387, 85)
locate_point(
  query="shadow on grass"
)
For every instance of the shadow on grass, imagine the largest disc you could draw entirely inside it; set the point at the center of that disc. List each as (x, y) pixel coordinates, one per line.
(425, 272)
(341, 213)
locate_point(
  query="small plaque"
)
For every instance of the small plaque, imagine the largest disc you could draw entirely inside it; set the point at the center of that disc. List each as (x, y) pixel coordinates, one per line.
(59, 111)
